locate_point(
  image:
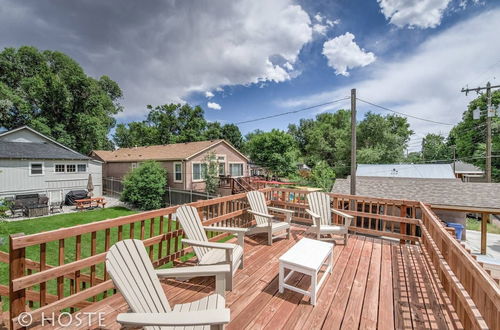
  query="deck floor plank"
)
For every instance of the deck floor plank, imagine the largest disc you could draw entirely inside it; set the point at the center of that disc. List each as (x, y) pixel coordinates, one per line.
(376, 283)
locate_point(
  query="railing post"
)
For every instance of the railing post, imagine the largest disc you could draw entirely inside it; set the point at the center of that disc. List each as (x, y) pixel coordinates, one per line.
(17, 299)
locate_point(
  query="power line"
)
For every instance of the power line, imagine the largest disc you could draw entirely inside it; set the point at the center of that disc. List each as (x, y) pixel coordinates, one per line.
(290, 112)
(404, 114)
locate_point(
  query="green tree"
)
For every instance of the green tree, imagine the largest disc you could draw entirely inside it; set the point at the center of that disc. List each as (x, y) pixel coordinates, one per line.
(135, 134)
(144, 187)
(50, 92)
(469, 136)
(434, 147)
(274, 150)
(232, 134)
(414, 157)
(381, 139)
(322, 176)
(213, 131)
(211, 173)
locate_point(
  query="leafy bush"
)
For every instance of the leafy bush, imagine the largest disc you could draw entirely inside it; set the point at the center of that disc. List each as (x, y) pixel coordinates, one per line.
(144, 187)
(323, 176)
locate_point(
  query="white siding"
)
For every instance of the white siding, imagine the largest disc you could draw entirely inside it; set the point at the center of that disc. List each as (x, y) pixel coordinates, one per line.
(15, 178)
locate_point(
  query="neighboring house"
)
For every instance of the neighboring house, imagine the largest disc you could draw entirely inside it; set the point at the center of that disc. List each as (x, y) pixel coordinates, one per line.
(422, 171)
(31, 162)
(468, 172)
(444, 195)
(184, 162)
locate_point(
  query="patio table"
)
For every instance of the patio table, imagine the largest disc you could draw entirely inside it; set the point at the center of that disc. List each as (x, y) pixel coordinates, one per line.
(308, 256)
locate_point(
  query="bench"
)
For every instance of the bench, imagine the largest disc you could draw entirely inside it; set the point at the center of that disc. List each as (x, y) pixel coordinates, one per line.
(90, 203)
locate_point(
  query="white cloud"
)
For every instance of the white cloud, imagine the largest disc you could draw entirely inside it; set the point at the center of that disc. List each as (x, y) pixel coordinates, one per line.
(214, 106)
(209, 95)
(288, 66)
(318, 18)
(169, 48)
(414, 13)
(333, 23)
(320, 28)
(427, 82)
(343, 54)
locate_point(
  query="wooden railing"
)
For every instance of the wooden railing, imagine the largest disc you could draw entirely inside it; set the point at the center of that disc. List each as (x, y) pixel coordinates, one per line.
(79, 276)
(473, 293)
(373, 216)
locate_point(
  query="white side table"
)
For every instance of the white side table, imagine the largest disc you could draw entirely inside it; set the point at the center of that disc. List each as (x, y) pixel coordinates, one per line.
(306, 257)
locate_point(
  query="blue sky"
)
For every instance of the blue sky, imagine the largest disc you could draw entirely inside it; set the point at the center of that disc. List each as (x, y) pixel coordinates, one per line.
(260, 57)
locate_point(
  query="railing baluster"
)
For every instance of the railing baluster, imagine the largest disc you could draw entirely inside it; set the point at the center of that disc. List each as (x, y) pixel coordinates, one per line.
(160, 229)
(60, 279)
(43, 285)
(151, 234)
(93, 241)
(78, 254)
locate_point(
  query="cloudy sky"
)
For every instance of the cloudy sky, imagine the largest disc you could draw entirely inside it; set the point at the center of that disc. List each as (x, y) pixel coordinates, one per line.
(243, 59)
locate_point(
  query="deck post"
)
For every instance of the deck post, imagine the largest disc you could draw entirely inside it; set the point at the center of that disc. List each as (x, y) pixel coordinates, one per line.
(17, 299)
(484, 231)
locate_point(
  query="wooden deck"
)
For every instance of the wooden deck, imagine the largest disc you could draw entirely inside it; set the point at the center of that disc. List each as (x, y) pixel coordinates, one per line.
(375, 283)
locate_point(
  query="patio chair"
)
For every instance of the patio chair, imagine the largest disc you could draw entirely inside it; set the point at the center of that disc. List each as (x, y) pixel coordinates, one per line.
(133, 274)
(321, 211)
(211, 253)
(265, 222)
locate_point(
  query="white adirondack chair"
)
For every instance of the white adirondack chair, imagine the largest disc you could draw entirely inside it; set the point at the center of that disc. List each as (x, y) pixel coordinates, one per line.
(133, 274)
(265, 222)
(211, 253)
(321, 211)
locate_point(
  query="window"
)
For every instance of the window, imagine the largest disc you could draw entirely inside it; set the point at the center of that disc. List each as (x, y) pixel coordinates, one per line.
(82, 167)
(70, 168)
(221, 160)
(199, 171)
(177, 172)
(60, 168)
(134, 165)
(222, 169)
(36, 168)
(236, 169)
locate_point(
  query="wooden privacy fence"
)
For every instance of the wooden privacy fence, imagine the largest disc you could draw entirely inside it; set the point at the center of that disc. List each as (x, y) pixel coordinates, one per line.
(80, 278)
(76, 277)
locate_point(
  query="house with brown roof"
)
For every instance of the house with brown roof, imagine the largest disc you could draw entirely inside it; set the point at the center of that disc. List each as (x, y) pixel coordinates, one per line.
(184, 162)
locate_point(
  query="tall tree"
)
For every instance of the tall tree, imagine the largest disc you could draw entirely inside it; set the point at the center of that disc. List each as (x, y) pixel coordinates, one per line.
(50, 92)
(232, 134)
(274, 150)
(434, 147)
(381, 139)
(469, 136)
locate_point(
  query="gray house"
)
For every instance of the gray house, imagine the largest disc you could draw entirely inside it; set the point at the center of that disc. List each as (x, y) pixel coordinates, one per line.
(31, 162)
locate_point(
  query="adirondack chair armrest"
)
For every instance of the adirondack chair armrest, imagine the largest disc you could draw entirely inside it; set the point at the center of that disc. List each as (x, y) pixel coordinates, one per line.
(212, 245)
(316, 217)
(280, 210)
(232, 230)
(260, 214)
(194, 271)
(348, 218)
(191, 318)
(288, 213)
(239, 232)
(219, 271)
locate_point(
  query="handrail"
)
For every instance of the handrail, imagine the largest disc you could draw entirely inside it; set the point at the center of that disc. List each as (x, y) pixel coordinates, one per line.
(158, 229)
(461, 273)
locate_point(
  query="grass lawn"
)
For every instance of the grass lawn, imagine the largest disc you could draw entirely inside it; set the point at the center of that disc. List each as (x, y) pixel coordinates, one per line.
(474, 224)
(32, 226)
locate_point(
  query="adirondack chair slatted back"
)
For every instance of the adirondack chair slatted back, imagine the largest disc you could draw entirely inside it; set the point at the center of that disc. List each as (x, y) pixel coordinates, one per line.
(320, 204)
(193, 228)
(257, 202)
(131, 270)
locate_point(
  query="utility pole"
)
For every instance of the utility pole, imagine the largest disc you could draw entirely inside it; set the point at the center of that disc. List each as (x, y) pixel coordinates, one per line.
(489, 113)
(454, 159)
(353, 141)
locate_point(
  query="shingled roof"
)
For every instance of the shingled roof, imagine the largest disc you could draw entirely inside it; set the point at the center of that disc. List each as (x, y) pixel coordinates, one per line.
(439, 192)
(21, 150)
(177, 151)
